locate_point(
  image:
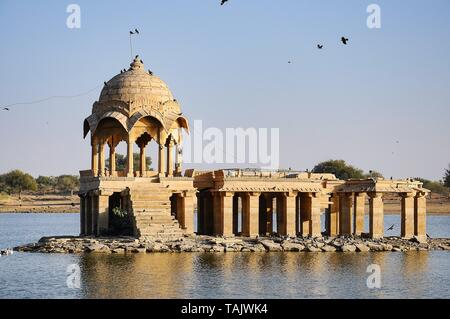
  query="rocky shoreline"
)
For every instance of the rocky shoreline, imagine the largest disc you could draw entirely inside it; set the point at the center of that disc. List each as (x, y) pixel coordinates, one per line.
(125, 245)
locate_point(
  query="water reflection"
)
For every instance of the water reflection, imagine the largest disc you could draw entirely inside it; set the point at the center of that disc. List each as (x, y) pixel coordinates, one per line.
(252, 275)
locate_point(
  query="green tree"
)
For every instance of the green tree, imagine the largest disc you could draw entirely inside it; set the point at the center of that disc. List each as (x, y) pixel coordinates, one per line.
(121, 162)
(67, 183)
(447, 177)
(46, 183)
(435, 187)
(340, 168)
(17, 181)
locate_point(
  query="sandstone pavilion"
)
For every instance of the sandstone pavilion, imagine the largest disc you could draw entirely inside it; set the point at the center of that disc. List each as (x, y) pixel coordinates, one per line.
(137, 107)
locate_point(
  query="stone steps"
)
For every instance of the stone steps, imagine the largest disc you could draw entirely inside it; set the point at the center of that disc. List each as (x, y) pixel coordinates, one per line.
(152, 212)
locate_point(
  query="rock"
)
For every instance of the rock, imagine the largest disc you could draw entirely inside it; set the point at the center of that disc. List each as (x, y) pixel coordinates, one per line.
(269, 245)
(387, 247)
(444, 246)
(159, 248)
(288, 246)
(97, 248)
(118, 251)
(419, 239)
(312, 249)
(361, 247)
(375, 247)
(218, 249)
(396, 249)
(258, 248)
(138, 250)
(328, 248)
(348, 248)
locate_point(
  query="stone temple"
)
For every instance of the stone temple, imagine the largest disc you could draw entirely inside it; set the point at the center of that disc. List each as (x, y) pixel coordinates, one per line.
(137, 107)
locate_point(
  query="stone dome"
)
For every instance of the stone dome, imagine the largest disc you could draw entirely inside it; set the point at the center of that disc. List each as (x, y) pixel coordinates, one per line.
(136, 84)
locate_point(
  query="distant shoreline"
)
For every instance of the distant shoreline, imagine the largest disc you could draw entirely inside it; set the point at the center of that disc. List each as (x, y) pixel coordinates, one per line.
(61, 204)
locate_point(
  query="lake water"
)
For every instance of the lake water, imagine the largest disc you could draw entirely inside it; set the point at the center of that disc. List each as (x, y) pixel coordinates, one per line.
(208, 275)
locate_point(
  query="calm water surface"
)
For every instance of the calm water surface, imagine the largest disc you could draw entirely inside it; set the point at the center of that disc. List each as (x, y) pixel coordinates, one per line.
(230, 275)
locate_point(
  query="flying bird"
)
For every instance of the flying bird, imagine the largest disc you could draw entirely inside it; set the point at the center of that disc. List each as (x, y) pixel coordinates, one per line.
(131, 32)
(289, 62)
(136, 31)
(344, 40)
(223, 2)
(320, 46)
(391, 228)
(5, 109)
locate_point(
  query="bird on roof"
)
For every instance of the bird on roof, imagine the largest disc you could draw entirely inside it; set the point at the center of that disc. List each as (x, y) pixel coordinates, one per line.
(141, 61)
(320, 46)
(106, 84)
(223, 2)
(344, 40)
(150, 72)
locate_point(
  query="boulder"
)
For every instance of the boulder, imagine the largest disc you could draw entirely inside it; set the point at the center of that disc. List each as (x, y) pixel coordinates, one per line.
(118, 251)
(288, 246)
(419, 239)
(348, 248)
(269, 245)
(375, 247)
(361, 248)
(312, 249)
(328, 248)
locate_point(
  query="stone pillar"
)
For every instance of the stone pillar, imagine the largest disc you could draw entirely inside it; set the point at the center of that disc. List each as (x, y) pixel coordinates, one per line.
(288, 213)
(279, 213)
(345, 219)
(94, 158)
(360, 202)
(235, 214)
(161, 161)
(250, 218)
(101, 158)
(170, 158)
(262, 215)
(95, 211)
(82, 215)
(178, 159)
(186, 213)
(130, 162)
(333, 216)
(103, 213)
(112, 160)
(200, 214)
(227, 214)
(269, 208)
(310, 215)
(420, 216)
(142, 164)
(376, 215)
(407, 216)
(88, 219)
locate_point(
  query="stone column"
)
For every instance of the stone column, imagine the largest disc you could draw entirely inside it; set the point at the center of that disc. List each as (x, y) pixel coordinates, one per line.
(288, 213)
(407, 216)
(200, 214)
(186, 213)
(170, 158)
(420, 216)
(235, 214)
(142, 164)
(112, 160)
(360, 202)
(101, 158)
(178, 160)
(269, 208)
(88, 219)
(376, 215)
(82, 215)
(103, 213)
(310, 215)
(95, 211)
(130, 162)
(94, 158)
(333, 219)
(227, 214)
(250, 218)
(161, 161)
(345, 220)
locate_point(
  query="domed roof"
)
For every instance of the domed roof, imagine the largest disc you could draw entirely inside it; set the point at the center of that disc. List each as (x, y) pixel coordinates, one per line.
(136, 84)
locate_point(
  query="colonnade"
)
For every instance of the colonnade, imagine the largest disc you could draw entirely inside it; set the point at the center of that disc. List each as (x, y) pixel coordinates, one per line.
(169, 168)
(296, 213)
(345, 215)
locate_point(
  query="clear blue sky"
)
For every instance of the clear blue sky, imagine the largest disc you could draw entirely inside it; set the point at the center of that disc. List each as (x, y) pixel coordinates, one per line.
(228, 66)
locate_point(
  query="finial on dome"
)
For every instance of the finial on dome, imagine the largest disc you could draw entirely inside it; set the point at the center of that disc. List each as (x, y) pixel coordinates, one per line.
(137, 63)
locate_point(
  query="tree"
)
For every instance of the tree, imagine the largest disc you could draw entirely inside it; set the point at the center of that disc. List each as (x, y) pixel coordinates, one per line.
(46, 182)
(374, 174)
(434, 187)
(121, 162)
(339, 168)
(17, 181)
(447, 177)
(67, 183)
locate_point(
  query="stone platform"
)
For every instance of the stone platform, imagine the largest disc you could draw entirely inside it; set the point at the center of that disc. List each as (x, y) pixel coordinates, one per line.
(200, 244)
